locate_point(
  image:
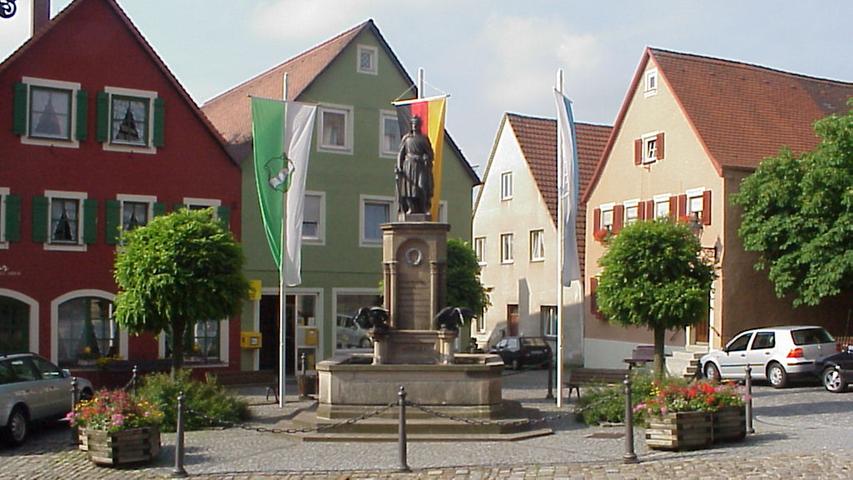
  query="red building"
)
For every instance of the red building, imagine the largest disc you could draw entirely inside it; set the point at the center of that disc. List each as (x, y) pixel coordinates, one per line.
(95, 135)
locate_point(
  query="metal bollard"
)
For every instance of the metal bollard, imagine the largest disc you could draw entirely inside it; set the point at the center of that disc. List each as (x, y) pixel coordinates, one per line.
(404, 463)
(630, 456)
(179, 471)
(133, 380)
(749, 428)
(75, 397)
(302, 364)
(550, 394)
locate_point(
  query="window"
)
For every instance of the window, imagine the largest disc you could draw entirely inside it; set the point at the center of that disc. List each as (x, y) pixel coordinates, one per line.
(335, 129)
(49, 112)
(201, 345)
(389, 134)
(64, 220)
(130, 120)
(549, 321)
(14, 325)
(374, 212)
(607, 217)
(136, 210)
(202, 203)
(506, 185)
(662, 204)
(506, 248)
(695, 203)
(632, 211)
(86, 330)
(480, 249)
(313, 229)
(650, 149)
(739, 344)
(367, 57)
(537, 245)
(64, 217)
(764, 340)
(48, 370)
(651, 84)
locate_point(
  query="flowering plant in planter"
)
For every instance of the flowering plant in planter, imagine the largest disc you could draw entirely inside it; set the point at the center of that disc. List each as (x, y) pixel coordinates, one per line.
(699, 396)
(114, 411)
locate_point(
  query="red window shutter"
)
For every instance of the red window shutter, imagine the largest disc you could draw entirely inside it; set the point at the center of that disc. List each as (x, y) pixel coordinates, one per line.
(641, 211)
(596, 220)
(682, 205)
(638, 151)
(706, 207)
(673, 207)
(593, 303)
(618, 218)
(659, 146)
(650, 209)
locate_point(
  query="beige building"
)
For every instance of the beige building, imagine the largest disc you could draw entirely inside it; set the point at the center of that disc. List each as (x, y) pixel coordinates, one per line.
(515, 233)
(690, 129)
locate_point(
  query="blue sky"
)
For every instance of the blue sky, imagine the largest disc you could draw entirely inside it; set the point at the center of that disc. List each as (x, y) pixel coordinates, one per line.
(491, 56)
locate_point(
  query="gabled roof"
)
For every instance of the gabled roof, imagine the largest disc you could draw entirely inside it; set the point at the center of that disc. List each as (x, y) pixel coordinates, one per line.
(741, 113)
(66, 12)
(230, 110)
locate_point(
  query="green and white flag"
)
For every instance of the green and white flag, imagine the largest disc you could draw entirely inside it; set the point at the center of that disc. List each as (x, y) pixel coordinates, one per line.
(281, 133)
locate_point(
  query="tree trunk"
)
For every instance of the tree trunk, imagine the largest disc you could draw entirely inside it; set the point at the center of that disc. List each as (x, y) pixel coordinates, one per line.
(178, 332)
(660, 359)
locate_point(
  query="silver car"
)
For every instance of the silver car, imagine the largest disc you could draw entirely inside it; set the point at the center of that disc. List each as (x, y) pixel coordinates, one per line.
(775, 354)
(33, 389)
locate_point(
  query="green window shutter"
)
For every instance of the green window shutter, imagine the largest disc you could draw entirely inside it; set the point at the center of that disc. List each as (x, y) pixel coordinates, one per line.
(19, 112)
(159, 119)
(113, 221)
(159, 209)
(13, 218)
(178, 206)
(102, 104)
(40, 205)
(82, 114)
(90, 221)
(224, 214)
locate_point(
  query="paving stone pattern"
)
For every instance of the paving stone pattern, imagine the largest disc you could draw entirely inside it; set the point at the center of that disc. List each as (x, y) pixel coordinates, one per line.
(801, 432)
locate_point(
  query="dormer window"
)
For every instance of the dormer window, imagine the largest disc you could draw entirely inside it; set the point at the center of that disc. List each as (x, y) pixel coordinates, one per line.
(366, 59)
(651, 83)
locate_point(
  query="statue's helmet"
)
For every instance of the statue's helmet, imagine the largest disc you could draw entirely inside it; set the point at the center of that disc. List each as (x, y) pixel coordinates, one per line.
(416, 122)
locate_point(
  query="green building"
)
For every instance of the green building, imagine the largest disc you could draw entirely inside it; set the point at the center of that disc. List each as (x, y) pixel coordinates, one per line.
(353, 78)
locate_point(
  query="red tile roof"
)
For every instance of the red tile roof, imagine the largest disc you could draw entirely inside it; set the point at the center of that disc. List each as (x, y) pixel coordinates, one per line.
(537, 138)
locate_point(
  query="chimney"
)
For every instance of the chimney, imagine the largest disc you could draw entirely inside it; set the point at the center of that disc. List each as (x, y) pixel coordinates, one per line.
(41, 15)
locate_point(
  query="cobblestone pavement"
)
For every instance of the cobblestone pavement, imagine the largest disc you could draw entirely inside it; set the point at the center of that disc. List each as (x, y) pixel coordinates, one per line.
(801, 432)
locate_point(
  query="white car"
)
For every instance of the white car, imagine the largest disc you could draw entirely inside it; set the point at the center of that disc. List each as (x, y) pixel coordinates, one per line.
(775, 354)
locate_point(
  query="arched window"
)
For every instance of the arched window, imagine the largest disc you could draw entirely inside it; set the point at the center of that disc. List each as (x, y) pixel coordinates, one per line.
(14, 326)
(86, 330)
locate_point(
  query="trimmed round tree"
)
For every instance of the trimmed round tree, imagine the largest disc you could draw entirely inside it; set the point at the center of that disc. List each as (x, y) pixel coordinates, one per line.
(652, 276)
(179, 269)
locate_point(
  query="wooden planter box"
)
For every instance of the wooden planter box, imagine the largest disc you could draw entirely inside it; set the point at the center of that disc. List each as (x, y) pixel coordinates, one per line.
(127, 446)
(680, 431)
(730, 424)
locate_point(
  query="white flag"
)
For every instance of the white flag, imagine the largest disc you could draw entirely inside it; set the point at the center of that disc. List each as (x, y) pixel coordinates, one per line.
(299, 130)
(568, 187)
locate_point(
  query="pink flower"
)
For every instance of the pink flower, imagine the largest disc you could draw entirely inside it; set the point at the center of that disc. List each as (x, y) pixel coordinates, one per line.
(664, 410)
(118, 420)
(639, 407)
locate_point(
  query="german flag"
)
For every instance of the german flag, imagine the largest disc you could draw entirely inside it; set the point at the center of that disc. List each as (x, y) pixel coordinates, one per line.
(431, 112)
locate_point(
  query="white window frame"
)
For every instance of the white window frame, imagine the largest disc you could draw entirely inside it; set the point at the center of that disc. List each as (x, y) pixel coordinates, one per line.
(694, 194)
(658, 200)
(73, 87)
(646, 140)
(506, 248)
(374, 65)
(607, 208)
(108, 145)
(79, 246)
(203, 202)
(629, 205)
(320, 239)
(383, 116)
(347, 111)
(506, 185)
(480, 249)
(534, 255)
(122, 197)
(4, 192)
(651, 81)
(546, 332)
(363, 241)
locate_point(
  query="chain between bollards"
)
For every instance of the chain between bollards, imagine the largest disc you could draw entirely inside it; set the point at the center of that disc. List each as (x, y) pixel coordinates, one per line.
(630, 456)
(179, 471)
(749, 428)
(404, 463)
(75, 397)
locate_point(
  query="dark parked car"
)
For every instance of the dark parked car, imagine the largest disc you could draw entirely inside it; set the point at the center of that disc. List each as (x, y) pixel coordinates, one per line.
(836, 371)
(517, 352)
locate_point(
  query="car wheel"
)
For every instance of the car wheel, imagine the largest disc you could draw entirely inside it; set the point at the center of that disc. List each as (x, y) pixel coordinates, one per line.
(832, 380)
(17, 428)
(515, 364)
(777, 376)
(711, 372)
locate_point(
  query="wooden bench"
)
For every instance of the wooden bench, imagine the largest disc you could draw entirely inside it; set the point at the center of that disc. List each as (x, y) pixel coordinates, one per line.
(644, 353)
(579, 377)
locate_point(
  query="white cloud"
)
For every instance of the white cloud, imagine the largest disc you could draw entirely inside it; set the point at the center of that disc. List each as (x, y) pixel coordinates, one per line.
(300, 19)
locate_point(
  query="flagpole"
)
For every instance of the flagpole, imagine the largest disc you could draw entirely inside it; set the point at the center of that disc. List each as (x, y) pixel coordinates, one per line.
(560, 259)
(282, 356)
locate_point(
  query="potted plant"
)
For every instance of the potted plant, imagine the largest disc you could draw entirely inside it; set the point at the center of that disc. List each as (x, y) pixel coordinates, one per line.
(729, 414)
(117, 429)
(679, 417)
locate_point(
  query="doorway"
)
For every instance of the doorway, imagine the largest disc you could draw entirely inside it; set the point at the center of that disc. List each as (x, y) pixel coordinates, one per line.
(270, 324)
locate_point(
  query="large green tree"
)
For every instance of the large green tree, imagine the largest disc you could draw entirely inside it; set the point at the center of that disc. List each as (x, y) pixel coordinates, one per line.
(652, 277)
(179, 269)
(798, 215)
